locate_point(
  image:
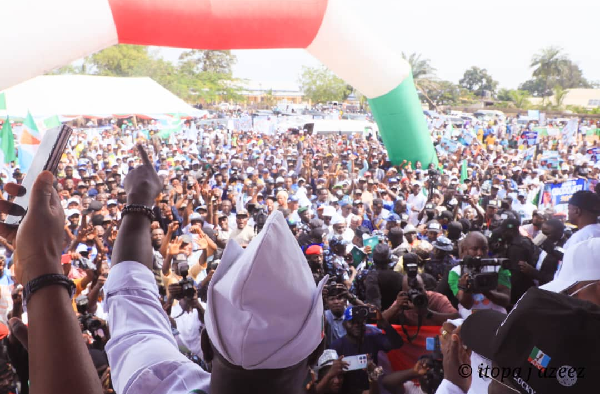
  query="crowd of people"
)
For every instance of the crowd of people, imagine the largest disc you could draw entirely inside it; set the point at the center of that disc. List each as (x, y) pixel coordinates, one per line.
(224, 261)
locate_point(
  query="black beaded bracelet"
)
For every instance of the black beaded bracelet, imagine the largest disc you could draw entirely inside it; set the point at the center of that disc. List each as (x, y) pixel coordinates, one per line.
(137, 208)
(48, 280)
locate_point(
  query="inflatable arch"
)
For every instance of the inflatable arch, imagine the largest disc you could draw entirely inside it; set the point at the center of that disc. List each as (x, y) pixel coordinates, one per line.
(39, 36)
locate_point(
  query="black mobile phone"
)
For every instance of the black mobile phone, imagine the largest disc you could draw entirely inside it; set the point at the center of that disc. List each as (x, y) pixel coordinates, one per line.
(46, 158)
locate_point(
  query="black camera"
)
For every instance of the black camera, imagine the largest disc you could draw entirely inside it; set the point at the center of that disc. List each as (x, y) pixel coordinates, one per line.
(363, 313)
(416, 294)
(187, 284)
(433, 173)
(481, 278)
(86, 319)
(260, 217)
(553, 250)
(435, 373)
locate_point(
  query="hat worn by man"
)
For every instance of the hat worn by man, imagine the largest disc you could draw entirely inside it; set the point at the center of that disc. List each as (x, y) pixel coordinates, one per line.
(545, 343)
(241, 212)
(410, 229)
(314, 250)
(241, 293)
(443, 243)
(586, 200)
(434, 226)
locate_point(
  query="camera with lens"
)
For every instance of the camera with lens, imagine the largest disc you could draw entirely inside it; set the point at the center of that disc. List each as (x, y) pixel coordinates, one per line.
(435, 363)
(85, 318)
(363, 313)
(187, 283)
(260, 217)
(416, 294)
(483, 274)
(433, 173)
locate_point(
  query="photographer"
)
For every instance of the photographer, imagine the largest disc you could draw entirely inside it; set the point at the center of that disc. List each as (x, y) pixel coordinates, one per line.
(188, 316)
(336, 300)
(475, 245)
(359, 341)
(550, 253)
(382, 284)
(401, 382)
(331, 370)
(414, 306)
(508, 242)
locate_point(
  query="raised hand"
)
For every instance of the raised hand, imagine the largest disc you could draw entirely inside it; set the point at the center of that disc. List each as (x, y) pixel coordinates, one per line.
(142, 184)
(39, 240)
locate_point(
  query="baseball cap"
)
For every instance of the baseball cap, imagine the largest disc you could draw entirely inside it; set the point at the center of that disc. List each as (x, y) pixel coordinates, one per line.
(111, 202)
(314, 249)
(579, 264)
(434, 226)
(72, 212)
(241, 212)
(586, 200)
(82, 248)
(241, 294)
(543, 334)
(327, 358)
(195, 216)
(443, 243)
(303, 208)
(72, 201)
(329, 211)
(393, 218)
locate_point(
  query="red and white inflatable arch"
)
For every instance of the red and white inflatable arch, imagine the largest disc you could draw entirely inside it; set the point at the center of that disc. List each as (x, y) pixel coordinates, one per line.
(39, 36)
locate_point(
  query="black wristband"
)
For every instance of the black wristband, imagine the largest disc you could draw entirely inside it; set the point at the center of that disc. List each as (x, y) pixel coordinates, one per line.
(140, 209)
(48, 280)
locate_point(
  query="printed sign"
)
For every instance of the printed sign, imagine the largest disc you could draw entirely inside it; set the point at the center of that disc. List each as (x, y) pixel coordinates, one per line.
(557, 196)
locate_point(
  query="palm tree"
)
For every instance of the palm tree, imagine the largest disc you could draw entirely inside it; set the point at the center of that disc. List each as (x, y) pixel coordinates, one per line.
(559, 96)
(423, 74)
(520, 98)
(547, 63)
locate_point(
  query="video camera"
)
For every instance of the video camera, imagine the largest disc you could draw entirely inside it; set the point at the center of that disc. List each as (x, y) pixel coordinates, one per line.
(435, 374)
(86, 319)
(416, 293)
(481, 278)
(260, 216)
(187, 284)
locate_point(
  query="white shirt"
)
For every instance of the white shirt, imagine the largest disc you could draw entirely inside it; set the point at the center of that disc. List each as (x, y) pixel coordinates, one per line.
(417, 202)
(142, 352)
(524, 210)
(590, 231)
(189, 327)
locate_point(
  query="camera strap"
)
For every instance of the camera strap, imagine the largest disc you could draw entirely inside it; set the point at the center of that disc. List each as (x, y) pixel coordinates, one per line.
(419, 323)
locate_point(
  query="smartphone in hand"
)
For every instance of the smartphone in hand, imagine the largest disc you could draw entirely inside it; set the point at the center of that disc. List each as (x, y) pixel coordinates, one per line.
(46, 158)
(356, 362)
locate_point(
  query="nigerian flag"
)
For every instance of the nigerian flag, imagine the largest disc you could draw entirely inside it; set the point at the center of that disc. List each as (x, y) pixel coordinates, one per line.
(2, 101)
(7, 143)
(170, 127)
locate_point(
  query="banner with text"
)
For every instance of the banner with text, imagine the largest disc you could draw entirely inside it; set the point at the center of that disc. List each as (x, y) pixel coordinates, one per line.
(556, 196)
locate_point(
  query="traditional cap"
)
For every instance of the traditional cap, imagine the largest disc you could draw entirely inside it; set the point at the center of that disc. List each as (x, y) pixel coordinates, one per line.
(337, 219)
(410, 229)
(327, 358)
(329, 211)
(546, 341)
(579, 264)
(241, 293)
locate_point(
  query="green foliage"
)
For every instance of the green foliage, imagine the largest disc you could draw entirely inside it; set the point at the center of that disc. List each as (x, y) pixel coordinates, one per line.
(477, 80)
(421, 68)
(198, 75)
(320, 85)
(553, 69)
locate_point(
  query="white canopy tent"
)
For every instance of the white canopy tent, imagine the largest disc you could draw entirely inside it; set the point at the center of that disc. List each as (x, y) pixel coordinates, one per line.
(94, 96)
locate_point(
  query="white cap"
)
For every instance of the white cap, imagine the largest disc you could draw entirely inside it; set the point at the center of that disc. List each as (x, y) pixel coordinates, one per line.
(73, 200)
(327, 358)
(272, 332)
(329, 211)
(337, 219)
(279, 180)
(579, 264)
(71, 212)
(111, 202)
(409, 228)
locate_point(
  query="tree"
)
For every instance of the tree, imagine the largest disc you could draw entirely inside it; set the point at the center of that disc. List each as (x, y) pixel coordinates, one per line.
(120, 61)
(547, 64)
(220, 62)
(520, 98)
(423, 76)
(559, 96)
(444, 93)
(320, 85)
(478, 81)
(421, 68)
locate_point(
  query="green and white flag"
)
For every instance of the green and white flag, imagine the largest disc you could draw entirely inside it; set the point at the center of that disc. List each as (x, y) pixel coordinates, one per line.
(170, 127)
(2, 101)
(52, 122)
(7, 143)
